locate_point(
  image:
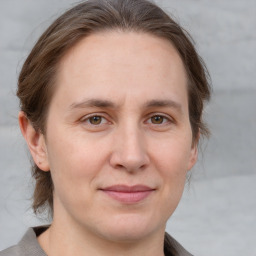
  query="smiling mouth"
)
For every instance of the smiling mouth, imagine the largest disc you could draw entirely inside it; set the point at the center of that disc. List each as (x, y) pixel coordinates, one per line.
(128, 194)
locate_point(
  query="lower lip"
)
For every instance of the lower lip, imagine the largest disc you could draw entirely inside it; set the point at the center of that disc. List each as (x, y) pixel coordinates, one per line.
(128, 197)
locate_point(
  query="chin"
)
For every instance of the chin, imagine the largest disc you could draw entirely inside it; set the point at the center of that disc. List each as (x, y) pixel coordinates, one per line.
(126, 235)
(129, 228)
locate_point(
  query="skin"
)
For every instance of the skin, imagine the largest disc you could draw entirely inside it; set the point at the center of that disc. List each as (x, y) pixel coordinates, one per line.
(136, 85)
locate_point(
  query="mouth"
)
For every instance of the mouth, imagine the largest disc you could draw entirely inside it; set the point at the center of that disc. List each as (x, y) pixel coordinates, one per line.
(128, 194)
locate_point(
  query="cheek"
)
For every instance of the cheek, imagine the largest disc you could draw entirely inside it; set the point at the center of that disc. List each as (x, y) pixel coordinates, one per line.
(173, 170)
(171, 160)
(76, 162)
(73, 168)
(173, 156)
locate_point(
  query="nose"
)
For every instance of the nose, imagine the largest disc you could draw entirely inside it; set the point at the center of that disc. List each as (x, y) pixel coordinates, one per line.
(129, 150)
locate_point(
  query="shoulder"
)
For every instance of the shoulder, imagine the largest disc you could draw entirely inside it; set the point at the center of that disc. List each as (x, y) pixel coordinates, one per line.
(11, 251)
(173, 248)
(28, 245)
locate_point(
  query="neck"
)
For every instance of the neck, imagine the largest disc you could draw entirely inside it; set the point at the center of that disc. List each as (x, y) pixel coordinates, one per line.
(66, 236)
(64, 240)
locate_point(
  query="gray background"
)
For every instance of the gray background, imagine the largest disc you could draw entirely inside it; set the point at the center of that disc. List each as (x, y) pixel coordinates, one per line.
(217, 215)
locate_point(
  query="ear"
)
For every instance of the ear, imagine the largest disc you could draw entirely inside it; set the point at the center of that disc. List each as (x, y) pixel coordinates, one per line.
(193, 153)
(35, 141)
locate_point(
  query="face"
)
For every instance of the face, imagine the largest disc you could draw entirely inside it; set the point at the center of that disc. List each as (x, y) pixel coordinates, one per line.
(118, 139)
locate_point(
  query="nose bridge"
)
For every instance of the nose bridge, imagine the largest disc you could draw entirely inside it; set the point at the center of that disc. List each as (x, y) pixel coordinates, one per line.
(129, 147)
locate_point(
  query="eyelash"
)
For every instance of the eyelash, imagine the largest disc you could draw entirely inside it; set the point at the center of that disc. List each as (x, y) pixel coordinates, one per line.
(165, 120)
(87, 118)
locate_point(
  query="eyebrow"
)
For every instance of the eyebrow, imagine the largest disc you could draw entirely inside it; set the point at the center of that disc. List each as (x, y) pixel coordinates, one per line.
(99, 103)
(92, 103)
(163, 103)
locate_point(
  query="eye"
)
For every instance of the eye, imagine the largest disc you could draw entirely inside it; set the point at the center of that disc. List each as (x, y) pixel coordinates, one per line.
(94, 120)
(158, 119)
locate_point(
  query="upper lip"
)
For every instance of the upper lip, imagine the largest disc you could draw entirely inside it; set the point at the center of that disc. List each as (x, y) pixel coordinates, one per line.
(127, 188)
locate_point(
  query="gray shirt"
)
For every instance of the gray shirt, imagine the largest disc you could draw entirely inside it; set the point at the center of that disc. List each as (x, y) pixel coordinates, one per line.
(29, 245)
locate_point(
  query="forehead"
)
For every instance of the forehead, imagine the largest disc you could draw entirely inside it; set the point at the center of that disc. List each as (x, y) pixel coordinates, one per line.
(127, 62)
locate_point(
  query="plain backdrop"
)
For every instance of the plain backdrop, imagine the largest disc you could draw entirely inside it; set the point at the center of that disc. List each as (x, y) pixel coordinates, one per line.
(217, 215)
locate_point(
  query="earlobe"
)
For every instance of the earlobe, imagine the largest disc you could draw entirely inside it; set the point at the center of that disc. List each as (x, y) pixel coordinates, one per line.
(35, 141)
(194, 153)
(193, 157)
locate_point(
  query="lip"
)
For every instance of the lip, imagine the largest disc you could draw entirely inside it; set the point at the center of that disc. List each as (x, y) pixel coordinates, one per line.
(128, 194)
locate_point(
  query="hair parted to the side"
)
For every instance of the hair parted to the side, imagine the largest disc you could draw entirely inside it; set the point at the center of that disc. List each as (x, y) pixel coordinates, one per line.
(36, 83)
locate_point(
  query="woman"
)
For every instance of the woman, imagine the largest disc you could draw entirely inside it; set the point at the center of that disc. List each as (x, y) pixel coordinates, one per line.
(111, 101)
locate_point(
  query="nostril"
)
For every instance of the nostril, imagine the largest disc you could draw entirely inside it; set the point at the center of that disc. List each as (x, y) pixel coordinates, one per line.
(119, 166)
(128, 164)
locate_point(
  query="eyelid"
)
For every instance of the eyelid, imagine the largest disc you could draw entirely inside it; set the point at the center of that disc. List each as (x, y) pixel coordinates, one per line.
(99, 114)
(167, 117)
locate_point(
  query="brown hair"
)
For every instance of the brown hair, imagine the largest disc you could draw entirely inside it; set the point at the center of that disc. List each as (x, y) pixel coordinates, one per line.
(36, 80)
